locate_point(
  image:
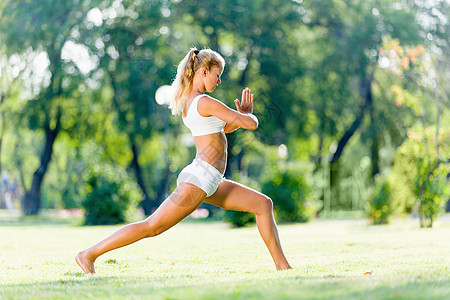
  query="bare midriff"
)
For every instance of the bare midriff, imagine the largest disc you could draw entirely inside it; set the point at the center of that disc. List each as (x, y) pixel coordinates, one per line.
(212, 148)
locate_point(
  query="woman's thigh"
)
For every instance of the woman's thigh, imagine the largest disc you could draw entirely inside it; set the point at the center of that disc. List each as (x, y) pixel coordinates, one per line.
(235, 196)
(180, 204)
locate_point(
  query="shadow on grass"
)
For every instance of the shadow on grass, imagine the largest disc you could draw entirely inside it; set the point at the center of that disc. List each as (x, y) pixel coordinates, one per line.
(163, 286)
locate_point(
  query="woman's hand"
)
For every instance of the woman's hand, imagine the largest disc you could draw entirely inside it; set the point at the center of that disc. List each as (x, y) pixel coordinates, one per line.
(246, 106)
(243, 117)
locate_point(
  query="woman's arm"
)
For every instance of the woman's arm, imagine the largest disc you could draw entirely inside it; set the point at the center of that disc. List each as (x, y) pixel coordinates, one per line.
(230, 128)
(242, 117)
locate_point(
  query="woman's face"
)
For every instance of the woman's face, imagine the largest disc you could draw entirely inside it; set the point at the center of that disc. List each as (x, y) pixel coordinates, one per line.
(212, 79)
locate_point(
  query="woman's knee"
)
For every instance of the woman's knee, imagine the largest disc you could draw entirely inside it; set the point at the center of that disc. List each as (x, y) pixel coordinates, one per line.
(265, 205)
(153, 228)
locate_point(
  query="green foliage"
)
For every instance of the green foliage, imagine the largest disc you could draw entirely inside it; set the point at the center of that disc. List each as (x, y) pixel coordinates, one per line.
(419, 176)
(64, 186)
(436, 193)
(379, 202)
(288, 185)
(402, 181)
(111, 195)
(424, 91)
(239, 218)
(302, 59)
(432, 188)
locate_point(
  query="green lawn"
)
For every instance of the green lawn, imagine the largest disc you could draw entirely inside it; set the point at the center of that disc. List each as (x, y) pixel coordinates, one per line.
(211, 261)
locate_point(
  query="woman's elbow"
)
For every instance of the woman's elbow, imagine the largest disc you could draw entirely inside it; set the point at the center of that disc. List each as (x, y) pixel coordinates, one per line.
(248, 121)
(254, 124)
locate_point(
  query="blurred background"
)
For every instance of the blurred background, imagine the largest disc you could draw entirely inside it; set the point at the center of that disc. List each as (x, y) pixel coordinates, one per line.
(352, 99)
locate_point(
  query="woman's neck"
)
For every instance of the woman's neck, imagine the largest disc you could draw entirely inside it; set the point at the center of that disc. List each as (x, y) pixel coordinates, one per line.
(198, 87)
(197, 91)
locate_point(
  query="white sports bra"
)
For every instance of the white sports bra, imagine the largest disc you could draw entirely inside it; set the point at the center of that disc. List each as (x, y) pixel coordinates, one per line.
(200, 125)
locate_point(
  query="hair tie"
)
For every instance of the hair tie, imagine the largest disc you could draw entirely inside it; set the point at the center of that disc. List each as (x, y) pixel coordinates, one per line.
(195, 54)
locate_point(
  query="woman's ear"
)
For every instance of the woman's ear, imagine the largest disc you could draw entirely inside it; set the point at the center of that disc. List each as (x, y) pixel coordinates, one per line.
(204, 72)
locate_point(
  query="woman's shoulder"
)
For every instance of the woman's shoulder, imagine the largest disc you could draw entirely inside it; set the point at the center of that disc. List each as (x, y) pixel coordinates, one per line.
(207, 100)
(206, 105)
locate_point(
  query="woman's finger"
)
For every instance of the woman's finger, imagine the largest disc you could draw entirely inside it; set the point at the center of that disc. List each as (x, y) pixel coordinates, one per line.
(236, 102)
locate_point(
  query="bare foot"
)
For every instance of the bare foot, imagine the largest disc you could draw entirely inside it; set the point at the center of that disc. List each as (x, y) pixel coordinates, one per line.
(281, 268)
(85, 263)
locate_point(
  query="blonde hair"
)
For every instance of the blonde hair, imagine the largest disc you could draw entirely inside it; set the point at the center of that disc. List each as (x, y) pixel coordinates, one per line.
(182, 85)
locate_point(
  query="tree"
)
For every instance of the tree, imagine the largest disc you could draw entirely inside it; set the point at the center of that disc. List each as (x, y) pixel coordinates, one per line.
(426, 94)
(44, 27)
(136, 59)
(255, 38)
(354, 31)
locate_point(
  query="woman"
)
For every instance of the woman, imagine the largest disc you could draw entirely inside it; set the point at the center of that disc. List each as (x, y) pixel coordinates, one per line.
(202, 181)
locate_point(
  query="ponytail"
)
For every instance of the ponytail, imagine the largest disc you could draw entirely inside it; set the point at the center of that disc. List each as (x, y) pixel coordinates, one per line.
(182, 85)
(183, 81)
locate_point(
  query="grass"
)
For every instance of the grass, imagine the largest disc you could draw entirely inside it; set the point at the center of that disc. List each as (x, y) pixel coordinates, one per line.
(197, 260)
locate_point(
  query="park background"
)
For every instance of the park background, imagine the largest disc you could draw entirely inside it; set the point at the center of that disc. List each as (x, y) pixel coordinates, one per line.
(352, 99)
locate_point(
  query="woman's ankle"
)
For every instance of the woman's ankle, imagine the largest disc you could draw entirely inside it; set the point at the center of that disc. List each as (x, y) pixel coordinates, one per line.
(88, 253)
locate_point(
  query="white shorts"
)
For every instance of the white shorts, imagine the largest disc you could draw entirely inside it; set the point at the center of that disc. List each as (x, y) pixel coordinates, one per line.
(201, 174)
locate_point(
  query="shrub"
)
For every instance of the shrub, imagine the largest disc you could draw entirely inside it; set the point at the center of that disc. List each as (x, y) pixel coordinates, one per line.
(434, 193)
(402, 181)
(379, 202)
(239, 218)
(111, 196)
(287, 184)
(419, 176)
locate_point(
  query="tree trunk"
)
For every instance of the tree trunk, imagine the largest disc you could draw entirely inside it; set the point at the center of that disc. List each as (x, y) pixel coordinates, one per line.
(366, 101)
(147, 204)
(374, 136)
(318, 157)
(335, 187)
(163, 186)
(164, 182)
(347, 135)
(32, 201)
